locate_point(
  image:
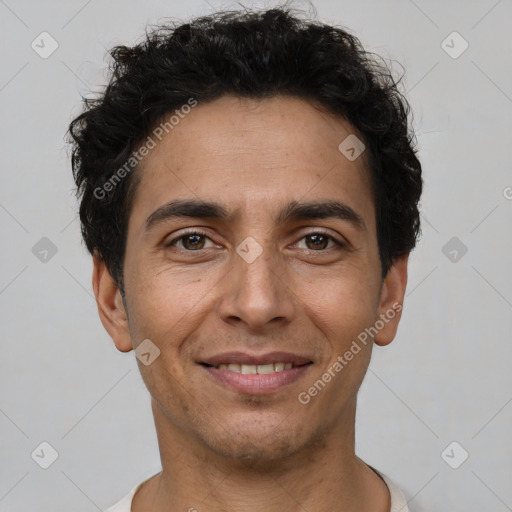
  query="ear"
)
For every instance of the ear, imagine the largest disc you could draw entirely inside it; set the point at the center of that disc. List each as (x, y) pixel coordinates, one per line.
(110, 305)
(391, 301)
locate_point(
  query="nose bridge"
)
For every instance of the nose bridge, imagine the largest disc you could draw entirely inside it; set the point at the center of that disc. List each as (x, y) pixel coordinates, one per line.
(257, 265)
(256, 292)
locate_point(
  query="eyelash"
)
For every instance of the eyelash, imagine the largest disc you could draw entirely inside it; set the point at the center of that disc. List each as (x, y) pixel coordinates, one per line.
(202, 233)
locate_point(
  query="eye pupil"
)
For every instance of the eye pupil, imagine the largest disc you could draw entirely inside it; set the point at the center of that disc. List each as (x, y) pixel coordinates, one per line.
(315, 238)
(196, 238)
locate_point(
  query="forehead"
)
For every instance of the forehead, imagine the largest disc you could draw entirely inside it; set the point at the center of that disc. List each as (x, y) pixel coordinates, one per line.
(248, 153)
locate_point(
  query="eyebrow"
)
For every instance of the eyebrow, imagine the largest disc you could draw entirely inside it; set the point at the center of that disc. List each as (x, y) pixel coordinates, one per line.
(293, 211)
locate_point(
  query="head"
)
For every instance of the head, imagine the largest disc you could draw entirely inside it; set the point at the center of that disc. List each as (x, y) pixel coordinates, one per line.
(248, 183)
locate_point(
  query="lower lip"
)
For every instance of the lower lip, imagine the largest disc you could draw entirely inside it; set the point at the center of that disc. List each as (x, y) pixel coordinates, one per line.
(256, 384)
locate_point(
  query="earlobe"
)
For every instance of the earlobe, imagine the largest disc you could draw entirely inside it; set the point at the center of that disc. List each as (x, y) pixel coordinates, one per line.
(391, 301)
(111, 309)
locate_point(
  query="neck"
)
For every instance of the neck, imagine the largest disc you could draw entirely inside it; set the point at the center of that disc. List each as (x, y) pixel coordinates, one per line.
(326, 475)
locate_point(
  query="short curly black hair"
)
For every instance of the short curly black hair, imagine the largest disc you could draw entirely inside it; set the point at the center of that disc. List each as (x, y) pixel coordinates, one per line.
(251, 54)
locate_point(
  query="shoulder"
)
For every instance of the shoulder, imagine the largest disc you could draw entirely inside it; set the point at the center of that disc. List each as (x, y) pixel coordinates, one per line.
(398, 500)
(125, 505)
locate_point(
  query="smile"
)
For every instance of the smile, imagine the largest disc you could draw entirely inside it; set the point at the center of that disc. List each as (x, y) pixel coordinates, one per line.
(256, 379)
(253, 369)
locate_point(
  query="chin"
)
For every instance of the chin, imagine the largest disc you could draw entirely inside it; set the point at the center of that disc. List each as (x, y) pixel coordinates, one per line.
(256, 441)
(251, 454)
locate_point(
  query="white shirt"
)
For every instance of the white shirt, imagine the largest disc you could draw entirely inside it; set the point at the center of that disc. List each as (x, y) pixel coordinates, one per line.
(398, 501)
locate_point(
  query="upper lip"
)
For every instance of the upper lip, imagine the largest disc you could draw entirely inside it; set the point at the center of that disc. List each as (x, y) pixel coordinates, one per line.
(256, 359)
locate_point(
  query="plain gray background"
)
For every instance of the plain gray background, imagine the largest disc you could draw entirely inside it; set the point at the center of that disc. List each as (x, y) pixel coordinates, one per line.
(445, 378)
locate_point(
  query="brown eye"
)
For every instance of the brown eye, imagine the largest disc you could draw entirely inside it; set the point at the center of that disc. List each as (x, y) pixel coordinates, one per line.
(319, 241)
(192, 241)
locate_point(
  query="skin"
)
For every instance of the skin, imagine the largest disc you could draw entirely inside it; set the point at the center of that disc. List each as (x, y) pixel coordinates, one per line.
(222, 450)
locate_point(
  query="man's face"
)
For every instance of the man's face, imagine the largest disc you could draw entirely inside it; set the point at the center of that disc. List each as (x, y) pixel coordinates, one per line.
(253, 283)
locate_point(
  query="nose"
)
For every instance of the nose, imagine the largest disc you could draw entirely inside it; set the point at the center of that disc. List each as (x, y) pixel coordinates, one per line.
(256, 294)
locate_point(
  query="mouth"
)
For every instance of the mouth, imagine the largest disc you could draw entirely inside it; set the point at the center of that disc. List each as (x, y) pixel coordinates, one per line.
(253, 369)
(252, 374)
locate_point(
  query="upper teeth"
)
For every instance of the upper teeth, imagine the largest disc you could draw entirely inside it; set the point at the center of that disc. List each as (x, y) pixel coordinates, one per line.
(255, 369)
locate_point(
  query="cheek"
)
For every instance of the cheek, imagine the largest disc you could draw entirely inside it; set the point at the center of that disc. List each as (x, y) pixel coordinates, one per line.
(163, 302)
(342, 312)
(344, 301)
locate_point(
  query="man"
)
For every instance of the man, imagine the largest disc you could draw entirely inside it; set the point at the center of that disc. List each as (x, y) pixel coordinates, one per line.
(249, 194)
